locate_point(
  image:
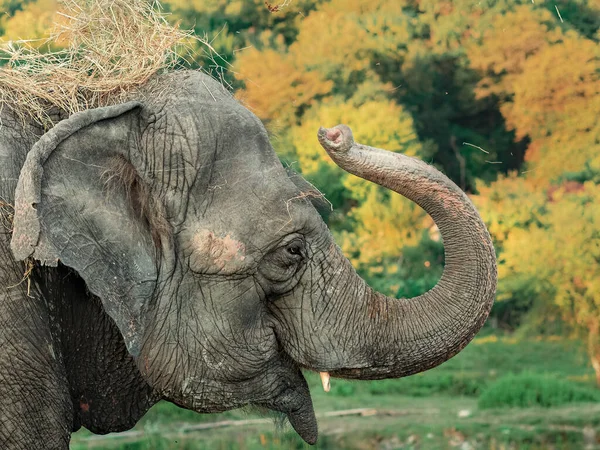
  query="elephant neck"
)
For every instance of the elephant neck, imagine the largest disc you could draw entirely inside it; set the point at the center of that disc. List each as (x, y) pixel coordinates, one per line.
(107, 391)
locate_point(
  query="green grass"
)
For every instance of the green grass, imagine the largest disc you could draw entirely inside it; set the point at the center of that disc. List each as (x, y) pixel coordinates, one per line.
(529, 389)
(435, 410)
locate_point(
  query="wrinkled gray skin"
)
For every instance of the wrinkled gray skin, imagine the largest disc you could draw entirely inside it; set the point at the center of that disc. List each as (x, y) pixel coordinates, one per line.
(177, 259)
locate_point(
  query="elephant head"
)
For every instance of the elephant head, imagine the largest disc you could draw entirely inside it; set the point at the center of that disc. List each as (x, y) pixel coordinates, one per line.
(218, 271)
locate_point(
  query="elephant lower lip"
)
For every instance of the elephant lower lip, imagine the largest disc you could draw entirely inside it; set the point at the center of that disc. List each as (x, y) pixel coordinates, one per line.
(295, 402)
(304, 423)
(297, 405)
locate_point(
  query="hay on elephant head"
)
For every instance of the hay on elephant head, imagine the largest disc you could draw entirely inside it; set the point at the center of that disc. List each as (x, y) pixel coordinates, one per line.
(110, 48)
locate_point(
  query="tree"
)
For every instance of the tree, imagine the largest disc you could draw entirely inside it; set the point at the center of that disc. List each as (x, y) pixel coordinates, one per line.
(333, 59)
(548, 82)
(277, 88)
(561, 253)
(232, 27)
(556, 106)
(29, 20)
(500, 51)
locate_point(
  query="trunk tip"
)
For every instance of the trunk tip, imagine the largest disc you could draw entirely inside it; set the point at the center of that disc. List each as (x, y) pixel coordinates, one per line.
(336, 139)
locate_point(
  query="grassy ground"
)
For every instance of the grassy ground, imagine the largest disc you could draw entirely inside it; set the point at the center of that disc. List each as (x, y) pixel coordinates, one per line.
(435, 410)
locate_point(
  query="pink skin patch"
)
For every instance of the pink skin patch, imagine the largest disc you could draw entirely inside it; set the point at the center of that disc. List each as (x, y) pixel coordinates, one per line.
(334, 135)
(216, 254)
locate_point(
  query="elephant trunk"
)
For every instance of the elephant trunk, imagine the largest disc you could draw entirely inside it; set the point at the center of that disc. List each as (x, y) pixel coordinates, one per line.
(406, 336)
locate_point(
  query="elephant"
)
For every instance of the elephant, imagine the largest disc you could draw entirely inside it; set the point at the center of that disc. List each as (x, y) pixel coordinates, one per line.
(172, 256)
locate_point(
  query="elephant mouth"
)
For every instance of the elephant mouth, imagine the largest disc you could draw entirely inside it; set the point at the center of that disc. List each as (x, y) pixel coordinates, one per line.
(281, 388)
(283, 392)
(296, 403)
(292, 398)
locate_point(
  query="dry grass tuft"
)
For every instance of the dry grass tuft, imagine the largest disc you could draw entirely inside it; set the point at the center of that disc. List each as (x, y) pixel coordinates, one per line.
(29, 266)
(7, 214)
(110, 47)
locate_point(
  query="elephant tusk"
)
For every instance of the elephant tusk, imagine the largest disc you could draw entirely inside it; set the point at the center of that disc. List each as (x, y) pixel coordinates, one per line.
(325, 381)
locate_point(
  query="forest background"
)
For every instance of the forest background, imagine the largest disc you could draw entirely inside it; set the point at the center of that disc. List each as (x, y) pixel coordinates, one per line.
(503, 96)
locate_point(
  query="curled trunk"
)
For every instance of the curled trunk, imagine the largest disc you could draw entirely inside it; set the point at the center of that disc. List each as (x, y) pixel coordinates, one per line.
(406, 336)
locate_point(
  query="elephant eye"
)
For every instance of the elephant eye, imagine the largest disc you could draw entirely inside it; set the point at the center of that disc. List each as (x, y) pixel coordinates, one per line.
(287, 256)
(295, 248)
(283, 265)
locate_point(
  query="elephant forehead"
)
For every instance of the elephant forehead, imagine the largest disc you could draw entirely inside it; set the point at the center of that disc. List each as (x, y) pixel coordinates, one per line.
(215, 252)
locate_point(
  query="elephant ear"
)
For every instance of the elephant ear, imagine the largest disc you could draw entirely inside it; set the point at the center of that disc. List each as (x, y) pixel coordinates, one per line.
(80, 201)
